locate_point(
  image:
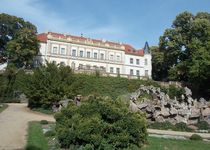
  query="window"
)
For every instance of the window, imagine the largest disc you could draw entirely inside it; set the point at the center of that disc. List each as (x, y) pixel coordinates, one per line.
(81, 53)
(63, 51)
(137, 61)
(118, 58)
(146, 73)
(111, 57)
(137, 72)
(131, 60)
(95, 55)
(102, 56)
(62, 63)
(118, 70)
(145, 62)
(74, 52)
(131, 71)
(111, 70)
(55, 50)
(88, 54)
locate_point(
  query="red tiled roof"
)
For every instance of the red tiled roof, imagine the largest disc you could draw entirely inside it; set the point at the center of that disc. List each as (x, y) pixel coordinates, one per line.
(42, 37)
(128, 48)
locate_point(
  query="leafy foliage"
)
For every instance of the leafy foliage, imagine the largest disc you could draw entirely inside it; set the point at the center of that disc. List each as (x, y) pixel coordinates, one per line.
(51, 84)
(173, 91)
(203, 125)
(196, 137)
(100, 123)
(181, 126)
(184, 52)
(18, 42)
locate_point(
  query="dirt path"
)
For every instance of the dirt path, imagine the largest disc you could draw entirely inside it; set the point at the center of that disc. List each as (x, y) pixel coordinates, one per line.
(13, 125)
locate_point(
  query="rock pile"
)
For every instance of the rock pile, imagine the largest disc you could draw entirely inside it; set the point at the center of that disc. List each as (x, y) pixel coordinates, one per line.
(161, 108)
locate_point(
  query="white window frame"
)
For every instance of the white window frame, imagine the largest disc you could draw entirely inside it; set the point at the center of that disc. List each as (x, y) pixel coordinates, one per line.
(74, 54)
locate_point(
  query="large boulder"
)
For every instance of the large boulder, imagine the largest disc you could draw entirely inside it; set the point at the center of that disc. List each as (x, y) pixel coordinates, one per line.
(164, 112)
(195, 113)
(206, 112)
(133, 107)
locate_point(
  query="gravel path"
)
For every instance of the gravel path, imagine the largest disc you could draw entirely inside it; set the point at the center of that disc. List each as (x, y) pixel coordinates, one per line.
(177, 133)
(13, 125)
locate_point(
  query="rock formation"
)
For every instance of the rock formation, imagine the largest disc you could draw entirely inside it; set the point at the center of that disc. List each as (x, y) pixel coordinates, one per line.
(161, 108)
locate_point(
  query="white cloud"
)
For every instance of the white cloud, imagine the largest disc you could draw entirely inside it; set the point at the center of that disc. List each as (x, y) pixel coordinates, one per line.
(46, 19)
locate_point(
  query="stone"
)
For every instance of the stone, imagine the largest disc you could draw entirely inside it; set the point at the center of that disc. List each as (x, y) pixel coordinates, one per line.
(180, 119)
(156, 114)
(189, 100)
(142, 106)
(133, 107)
(195, 113)
(162, 108)
(206, 112)
(188, 92)
(150, 109)
(164, 112)
(173, 111)
(159, 119)
(184, 112)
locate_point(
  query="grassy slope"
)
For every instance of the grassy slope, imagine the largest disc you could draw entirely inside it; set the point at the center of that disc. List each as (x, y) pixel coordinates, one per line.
(3, 108)
(36, 139)
(172, 144)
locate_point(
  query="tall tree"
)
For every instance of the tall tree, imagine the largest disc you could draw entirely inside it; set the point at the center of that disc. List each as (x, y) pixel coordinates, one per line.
(186, 49)
(13, 30)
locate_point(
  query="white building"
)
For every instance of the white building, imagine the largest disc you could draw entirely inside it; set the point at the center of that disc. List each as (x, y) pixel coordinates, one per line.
(85, 54)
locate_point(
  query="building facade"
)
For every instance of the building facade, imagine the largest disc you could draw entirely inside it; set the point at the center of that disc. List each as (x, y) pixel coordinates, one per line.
(88, 55)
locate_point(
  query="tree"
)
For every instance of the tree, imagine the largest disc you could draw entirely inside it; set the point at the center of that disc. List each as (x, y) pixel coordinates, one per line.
(186, 50)
(11, 27)
(100, 123)
(47, 84)
(22, 48)
(158, 70)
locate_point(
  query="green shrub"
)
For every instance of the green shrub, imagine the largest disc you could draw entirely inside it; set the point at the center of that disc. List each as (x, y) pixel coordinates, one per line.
(196, 137)
(44, 122)
(162, 125)
(203, 125)
(100, 123)
(181, 126)
(173, 91)
(50, 133)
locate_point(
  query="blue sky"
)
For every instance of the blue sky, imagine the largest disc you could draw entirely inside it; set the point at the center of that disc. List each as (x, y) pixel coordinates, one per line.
(127, 21)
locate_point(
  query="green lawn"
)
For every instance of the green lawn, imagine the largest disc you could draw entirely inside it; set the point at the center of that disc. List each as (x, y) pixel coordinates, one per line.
(173, 144)
(36, 139)
(3, 108)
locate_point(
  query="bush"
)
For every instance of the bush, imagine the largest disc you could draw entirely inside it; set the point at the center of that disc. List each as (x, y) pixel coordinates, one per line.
(196, 137)
(203, 125)
(181, 126)
(100, 123)
(162, 125)
(50, 133)
(173, 91)
(44, 122)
